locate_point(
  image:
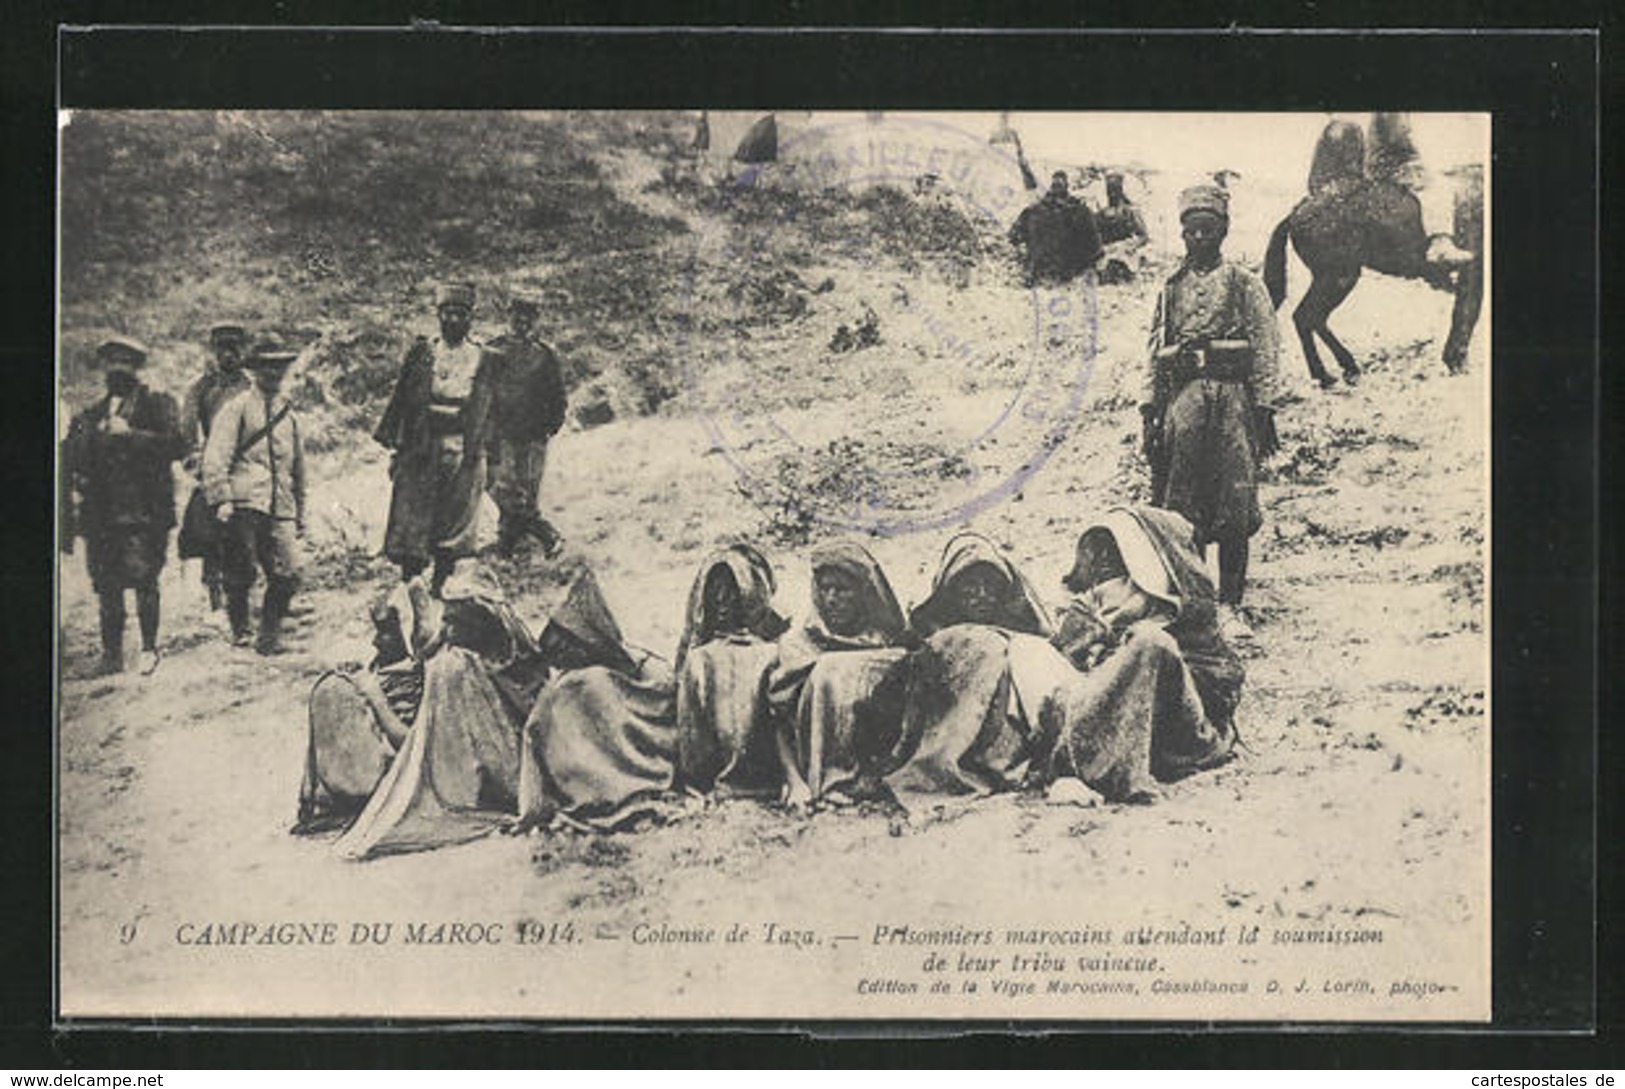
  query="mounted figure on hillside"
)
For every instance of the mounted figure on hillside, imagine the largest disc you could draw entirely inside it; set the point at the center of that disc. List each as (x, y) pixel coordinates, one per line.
(1362, 212)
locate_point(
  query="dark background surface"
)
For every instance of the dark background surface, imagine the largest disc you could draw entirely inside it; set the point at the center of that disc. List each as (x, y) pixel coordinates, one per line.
(1543, 89)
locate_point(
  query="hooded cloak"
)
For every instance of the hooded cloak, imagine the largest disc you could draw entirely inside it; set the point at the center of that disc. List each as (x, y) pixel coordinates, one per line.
(474, 613)
(586, 619)
(1160, 704)
(724, 735)
(1020, 610)
(457, 775)
(601, 741)
(358, 722)
(973, 690)
(828, 692)
(753, 576)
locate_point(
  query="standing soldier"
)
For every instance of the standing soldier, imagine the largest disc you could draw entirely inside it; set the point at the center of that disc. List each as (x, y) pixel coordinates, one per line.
(527, 410)
(1209, 404)
(1120, 219)
(117, 457)
(220, 383)
(438, 425)
(254, 476)
(1057, 236)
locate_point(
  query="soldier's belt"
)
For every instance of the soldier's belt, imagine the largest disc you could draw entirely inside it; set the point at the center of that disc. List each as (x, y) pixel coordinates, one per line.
(1221, 360)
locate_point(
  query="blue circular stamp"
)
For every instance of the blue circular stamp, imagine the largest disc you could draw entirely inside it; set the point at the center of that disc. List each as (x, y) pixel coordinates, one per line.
(948, 382)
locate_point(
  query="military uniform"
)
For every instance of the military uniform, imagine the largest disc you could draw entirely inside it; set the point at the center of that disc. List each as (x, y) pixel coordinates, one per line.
(527, 410)
(219, 384)
(1215, 355)
(255, 461)
(117, 459)
(207, 397)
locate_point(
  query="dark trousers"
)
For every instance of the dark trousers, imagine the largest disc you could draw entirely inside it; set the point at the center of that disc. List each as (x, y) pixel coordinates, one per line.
(516, 470)
(254, 542)
(120, 558)
(147, 607)
(213, 574)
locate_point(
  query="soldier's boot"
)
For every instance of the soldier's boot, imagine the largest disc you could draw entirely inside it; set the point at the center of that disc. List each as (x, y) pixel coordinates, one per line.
(237, 613)
(112, 627)
(148, 609)
(277, 594)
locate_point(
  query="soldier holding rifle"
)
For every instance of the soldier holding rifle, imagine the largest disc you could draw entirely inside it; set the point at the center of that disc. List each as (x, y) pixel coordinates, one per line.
(254, 478)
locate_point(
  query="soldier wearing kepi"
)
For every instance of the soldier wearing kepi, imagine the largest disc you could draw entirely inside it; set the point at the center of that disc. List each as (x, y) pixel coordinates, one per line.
(222, 381)
(254, 476)
(527, 410)
(1210, 393)
(117, 459)
(438, 425)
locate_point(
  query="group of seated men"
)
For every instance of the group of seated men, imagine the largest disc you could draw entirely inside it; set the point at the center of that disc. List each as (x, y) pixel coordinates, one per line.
(464, 721)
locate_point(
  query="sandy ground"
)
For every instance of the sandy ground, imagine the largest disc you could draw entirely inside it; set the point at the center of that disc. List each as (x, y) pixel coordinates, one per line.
(1361, 801)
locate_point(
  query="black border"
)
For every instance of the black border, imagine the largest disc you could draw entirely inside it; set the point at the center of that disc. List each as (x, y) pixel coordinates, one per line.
(1543, 88)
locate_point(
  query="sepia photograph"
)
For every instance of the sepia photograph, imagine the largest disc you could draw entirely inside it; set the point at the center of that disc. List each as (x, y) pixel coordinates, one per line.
(724, 564)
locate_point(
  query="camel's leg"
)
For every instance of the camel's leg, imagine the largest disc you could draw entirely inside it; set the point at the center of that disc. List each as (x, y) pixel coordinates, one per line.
(1337, 289)
(1464, 315)
(1309, 318)
(1305, 316)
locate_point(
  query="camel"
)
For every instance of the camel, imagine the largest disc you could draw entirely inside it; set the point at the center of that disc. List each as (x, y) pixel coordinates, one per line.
(1352, 221)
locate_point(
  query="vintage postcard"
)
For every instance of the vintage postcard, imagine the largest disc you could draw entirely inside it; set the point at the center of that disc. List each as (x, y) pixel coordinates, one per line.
(718, 564)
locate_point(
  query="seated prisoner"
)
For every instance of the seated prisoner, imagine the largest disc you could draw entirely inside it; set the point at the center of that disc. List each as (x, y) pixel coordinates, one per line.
(1158, 687)
(359, 718)
(456, 774)
(975, 685)
(827, 692)
(600, 744)
(724, 738)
